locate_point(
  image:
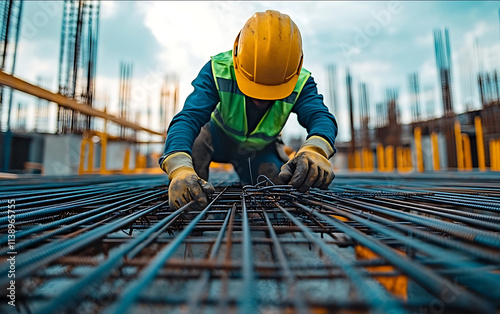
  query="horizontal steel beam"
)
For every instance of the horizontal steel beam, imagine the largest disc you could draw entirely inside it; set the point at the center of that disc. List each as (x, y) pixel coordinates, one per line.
(28, 88)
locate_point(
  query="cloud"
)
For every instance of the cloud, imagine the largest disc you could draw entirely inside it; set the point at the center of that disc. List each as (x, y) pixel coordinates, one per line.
(479, 30)
(428, 71)
(108, 9)
(425, 40)
(190, 32)
(491, 55)
(374, 73)
(188, 40)
(33, 66)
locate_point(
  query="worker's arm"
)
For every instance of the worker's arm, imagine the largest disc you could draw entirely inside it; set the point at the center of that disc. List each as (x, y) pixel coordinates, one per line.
(186, 125)
(310, 166)
(185, 185)
(313, 115)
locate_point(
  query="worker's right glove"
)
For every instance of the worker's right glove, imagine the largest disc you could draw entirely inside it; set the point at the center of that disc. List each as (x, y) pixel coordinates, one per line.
(185, 185)
(310, 166)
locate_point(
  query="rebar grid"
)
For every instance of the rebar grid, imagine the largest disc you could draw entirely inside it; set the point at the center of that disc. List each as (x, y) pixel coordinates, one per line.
(112, 244)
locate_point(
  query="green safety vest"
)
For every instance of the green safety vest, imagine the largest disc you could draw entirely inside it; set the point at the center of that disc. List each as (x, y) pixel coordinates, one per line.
(230, 113)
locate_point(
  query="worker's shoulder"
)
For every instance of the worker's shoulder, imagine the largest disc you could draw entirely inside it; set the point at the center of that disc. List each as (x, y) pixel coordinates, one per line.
(305, 72)
(225, 57)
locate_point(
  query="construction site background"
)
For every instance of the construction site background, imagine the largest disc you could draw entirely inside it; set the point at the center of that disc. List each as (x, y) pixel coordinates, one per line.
(70, 130)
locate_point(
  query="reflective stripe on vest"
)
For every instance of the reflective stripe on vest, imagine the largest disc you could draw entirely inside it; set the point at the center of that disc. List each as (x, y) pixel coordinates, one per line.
(230, 113)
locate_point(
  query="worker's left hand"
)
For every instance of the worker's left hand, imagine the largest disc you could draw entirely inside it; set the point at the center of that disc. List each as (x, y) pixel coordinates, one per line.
(309, 168)
(185, 185)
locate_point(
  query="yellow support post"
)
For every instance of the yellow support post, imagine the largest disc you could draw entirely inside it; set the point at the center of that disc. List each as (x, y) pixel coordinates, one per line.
(399, 159)
(495, 155)
(104, 143)
(417, 133)
(409, 161)
(492, 154)
(380, 158)
(140, 161)
(126, 161)
(435, 152)
(389, 155)
(366, 160)
(81, 165)
(363, 159)
(480, 144)
(90, 162)
(467, 152)
(458, 142)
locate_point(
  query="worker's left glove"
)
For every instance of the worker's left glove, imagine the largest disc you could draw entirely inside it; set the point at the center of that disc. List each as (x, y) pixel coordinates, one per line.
(310, 166)
(185, 185)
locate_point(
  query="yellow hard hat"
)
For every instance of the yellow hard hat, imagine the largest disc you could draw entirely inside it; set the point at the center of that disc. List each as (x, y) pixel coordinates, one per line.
(267, 56)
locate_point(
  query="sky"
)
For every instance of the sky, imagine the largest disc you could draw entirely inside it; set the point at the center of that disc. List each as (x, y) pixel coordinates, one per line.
(380, 42)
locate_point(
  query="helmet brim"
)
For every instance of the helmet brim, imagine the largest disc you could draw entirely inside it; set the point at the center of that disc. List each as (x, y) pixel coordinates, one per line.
(265, 92)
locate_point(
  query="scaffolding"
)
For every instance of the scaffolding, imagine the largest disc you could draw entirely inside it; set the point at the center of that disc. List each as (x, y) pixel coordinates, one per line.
(77, 61)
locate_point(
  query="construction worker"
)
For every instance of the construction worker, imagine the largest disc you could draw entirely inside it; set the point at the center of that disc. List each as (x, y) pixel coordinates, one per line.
(240, 103)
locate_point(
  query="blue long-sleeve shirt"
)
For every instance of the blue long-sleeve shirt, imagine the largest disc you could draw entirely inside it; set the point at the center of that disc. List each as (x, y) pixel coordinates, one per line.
(185, 126)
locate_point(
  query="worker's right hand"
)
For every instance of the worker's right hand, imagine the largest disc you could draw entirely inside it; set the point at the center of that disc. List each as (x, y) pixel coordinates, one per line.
(310, 167)
(186, 186)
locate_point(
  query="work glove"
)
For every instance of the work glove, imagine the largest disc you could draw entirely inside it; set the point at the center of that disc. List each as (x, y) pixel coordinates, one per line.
(310, 166)
(185, 185)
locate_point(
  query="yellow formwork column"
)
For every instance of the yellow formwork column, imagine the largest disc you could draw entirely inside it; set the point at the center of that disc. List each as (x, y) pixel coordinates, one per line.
(350, 162)
(467, 152)
(408, 159)
(492, 154)
(81, 165)
(495, 155)
(459, 148)
(126, 161)
(480, 144)
(435, 152)
(399, 159)
(380, 158)
(140, 161)
(90, 162)
(367, 160)
(418, 147)
(372, 160)
(363, 159)
(104, 143)
(389, 155)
